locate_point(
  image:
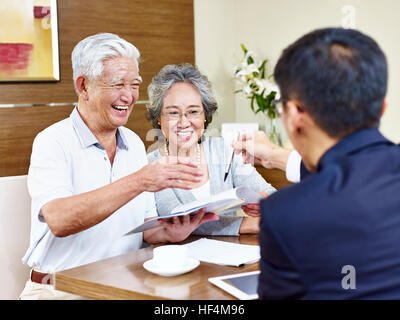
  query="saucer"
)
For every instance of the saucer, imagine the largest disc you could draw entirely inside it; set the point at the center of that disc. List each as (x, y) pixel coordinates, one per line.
(190, 264)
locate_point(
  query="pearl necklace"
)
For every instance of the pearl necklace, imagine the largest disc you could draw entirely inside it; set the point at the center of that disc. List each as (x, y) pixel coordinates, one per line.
(198, 152)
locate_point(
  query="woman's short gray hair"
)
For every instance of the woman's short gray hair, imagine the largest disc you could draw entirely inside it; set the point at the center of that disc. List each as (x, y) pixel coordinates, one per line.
(90, 53)
(171, 74)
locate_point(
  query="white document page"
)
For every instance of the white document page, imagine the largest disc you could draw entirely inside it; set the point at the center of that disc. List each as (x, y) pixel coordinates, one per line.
(219, 200)
(230, 199)
(223, 252)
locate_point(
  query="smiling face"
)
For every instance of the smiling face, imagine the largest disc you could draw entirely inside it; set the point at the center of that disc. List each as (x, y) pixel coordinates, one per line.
(182, 98)
(110, 98)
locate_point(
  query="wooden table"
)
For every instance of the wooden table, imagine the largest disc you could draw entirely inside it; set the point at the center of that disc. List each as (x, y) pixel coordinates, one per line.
(273, 176)
(124, 277)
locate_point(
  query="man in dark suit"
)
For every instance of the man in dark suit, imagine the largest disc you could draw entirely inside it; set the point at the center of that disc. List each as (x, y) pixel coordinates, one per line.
(336, 234)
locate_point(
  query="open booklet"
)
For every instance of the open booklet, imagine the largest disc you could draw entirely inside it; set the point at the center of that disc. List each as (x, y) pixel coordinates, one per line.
(227, 200)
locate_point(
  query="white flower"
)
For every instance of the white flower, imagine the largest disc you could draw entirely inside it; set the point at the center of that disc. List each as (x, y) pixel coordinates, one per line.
(247, 91)
(250, 79)
(270, 87)
(260, 86)
(278, 94)
(274, 87)
(247, 70)
(241, 79)
(251, 54)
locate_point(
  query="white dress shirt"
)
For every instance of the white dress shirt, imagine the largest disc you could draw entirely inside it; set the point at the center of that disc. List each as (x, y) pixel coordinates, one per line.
(293, 167)
(68, 160)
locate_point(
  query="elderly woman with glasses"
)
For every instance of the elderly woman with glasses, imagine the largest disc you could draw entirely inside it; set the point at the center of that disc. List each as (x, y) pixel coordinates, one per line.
(181, 106)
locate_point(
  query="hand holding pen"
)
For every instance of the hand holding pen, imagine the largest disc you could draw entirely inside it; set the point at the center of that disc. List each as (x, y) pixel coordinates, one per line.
(237, 135)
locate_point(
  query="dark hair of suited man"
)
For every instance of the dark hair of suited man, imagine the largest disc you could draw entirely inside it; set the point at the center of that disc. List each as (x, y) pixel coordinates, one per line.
(338, 75)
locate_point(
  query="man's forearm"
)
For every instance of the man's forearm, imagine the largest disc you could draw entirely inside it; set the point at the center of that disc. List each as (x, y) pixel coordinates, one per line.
(277, 159)
(70, 215)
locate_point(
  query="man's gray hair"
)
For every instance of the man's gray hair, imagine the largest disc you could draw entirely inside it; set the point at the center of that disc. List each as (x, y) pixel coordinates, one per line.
(90, 53)
(168, 76)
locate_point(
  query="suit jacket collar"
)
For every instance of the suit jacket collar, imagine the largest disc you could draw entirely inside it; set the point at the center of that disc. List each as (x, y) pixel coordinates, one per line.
(353, 143)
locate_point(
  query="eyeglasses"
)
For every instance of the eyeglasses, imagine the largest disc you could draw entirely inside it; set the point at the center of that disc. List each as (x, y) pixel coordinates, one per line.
(176, 115)
(278, 106)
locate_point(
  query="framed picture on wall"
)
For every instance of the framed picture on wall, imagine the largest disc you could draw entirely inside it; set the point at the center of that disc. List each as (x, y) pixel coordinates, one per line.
(29, 40)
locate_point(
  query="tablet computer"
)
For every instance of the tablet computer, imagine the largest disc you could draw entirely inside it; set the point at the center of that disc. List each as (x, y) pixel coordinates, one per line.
(241, 285)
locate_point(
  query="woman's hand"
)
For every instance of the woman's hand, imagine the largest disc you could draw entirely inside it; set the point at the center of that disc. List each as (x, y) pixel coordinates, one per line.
(179, 228)
(252, 209)
(168, 172)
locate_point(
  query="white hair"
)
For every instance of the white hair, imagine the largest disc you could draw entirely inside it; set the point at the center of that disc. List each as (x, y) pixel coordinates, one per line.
(89, 54)
(167, 77)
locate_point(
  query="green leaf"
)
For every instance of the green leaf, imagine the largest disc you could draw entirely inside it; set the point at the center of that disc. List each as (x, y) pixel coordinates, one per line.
(260, 102)
(243, 48)
(250, 60)
(262, 69)
(252, 103)
(271, 113)
(269, 98)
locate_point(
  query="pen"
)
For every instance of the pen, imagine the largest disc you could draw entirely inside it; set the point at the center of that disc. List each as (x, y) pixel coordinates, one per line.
(230, 162)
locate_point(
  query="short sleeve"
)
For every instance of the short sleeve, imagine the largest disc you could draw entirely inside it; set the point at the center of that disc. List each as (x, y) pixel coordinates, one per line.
(49, 175)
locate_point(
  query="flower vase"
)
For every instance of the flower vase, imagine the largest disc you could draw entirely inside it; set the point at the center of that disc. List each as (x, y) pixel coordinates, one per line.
(273, 129)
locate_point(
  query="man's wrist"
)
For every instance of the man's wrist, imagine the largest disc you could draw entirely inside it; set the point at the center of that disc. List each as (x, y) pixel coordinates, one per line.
(277, 159)
(137, 183)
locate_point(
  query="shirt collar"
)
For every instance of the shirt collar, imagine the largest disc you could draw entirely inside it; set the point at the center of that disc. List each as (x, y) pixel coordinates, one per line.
(352, 144)
(87, 138)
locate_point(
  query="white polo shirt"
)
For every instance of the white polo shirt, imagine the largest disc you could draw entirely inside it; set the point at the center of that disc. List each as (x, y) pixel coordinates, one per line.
(68, 160)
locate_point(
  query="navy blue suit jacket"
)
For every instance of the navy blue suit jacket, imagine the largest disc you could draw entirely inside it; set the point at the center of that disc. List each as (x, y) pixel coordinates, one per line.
(345, 214)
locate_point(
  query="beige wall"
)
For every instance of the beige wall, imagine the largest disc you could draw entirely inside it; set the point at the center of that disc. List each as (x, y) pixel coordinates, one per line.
(214, 43)
(268, 26)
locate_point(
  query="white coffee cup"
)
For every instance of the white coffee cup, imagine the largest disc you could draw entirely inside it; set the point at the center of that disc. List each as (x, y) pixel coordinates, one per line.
(170, 257)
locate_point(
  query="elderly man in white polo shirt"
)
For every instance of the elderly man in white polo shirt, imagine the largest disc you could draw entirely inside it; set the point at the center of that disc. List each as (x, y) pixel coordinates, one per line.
(89, 179)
